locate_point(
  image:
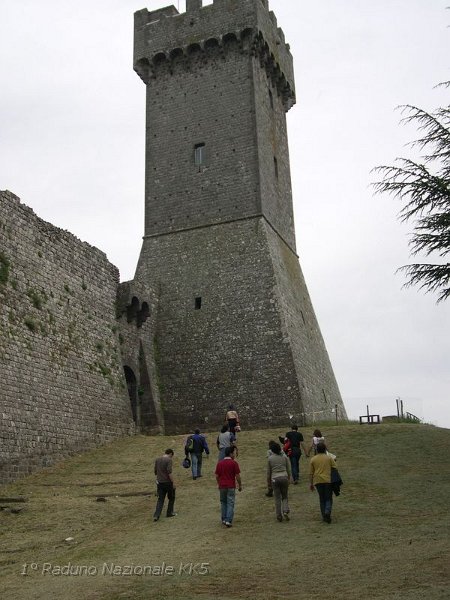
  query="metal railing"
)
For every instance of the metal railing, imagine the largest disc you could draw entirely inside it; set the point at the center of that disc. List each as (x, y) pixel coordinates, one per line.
(412, 417)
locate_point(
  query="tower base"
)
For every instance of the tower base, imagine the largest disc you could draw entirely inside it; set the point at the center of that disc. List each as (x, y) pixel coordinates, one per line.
(233, 324)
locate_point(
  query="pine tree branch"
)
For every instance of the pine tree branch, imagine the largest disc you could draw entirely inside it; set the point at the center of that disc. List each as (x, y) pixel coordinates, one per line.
(424, 190)
(431, 278)
(429, 243)
(436, 126)
(414, 184)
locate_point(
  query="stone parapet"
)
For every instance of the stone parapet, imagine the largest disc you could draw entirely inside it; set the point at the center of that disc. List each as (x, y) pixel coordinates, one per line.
(166, 35)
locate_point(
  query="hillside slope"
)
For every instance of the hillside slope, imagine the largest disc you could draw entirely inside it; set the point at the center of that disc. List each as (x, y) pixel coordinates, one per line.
(389, 537)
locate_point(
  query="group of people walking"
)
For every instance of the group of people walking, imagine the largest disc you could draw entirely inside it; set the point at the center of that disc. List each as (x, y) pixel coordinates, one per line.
(283, 466)
(283, 460)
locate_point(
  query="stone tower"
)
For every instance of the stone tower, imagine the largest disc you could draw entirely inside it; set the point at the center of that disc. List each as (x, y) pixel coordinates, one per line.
(228, 315)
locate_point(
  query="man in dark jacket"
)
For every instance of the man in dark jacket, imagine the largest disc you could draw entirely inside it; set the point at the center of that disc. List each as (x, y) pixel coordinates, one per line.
(294, 451)
(196, 444)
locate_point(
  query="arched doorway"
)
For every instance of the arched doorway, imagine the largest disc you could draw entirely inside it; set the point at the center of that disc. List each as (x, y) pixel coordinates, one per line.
(133, 394)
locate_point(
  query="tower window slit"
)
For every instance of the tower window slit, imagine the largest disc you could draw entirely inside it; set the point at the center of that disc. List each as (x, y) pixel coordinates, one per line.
(199, 154)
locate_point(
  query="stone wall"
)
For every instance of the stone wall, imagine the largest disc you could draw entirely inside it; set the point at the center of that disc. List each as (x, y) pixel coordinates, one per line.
(218, 312)
(272, 144)
(318, 389)
(164, 30)
(234, 320)
(235, 325)
(220, 76)
(62, 387)
(137, 312)
(179, 193)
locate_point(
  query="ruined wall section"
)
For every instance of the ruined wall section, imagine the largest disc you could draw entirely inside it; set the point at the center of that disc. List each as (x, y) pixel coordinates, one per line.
(62, 386)
(137, 313)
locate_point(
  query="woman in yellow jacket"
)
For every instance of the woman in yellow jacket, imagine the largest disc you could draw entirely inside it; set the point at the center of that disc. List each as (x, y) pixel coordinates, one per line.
(320, 478)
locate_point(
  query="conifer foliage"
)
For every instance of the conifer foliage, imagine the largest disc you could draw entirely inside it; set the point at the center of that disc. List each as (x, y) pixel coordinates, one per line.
(423, 187)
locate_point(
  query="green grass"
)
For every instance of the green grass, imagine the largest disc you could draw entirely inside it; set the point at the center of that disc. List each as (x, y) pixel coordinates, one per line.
(389, 536)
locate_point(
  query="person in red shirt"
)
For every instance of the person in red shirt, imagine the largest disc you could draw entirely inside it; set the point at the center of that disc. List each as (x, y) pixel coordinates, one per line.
(227, 475)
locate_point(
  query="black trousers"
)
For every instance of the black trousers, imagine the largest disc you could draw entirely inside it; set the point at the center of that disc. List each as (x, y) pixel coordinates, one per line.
(165, 489)
(325, 492)
(232, 425)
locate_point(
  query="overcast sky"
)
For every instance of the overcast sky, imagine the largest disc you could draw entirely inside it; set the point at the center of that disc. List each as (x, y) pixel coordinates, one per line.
(72, 127)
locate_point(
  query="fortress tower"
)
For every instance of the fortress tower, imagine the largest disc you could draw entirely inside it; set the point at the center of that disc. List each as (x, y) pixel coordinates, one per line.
(221, 310)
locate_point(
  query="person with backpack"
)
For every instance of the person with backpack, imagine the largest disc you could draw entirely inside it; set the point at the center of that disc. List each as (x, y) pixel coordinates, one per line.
(195, 445)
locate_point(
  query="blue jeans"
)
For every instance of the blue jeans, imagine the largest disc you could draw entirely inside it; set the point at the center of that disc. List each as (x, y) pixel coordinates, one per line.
(227, 498)
(325, 492)
(196, 464)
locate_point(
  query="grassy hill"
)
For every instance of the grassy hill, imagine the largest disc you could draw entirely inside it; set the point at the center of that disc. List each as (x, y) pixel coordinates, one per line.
(389, 537)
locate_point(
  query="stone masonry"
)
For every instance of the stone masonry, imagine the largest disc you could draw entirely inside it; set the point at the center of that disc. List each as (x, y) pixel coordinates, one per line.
(62, 386)
(218, 311)
(234, 322)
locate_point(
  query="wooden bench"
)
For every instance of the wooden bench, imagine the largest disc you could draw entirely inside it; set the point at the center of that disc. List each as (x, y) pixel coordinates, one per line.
(370, 419)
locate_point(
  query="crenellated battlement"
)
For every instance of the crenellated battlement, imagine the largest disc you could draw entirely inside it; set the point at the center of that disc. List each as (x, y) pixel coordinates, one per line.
(166, 35)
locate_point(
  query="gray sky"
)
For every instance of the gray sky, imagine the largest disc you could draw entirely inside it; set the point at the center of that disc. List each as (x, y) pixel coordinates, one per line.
(72, 147)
